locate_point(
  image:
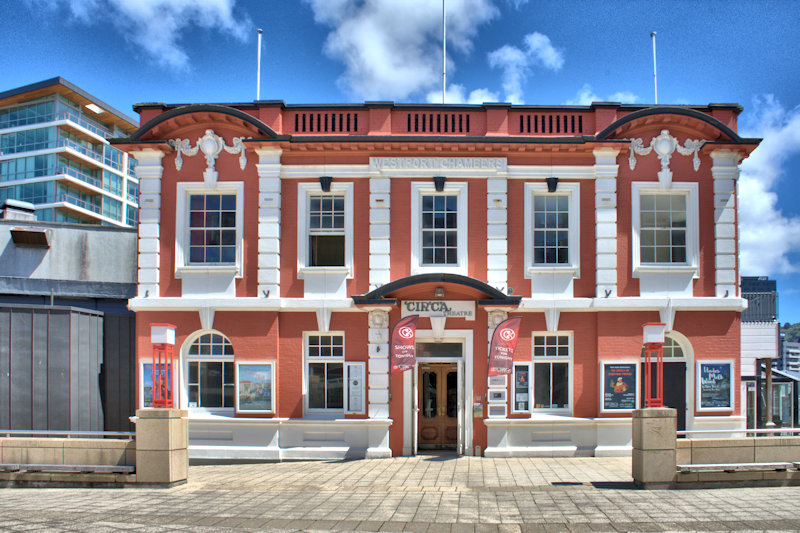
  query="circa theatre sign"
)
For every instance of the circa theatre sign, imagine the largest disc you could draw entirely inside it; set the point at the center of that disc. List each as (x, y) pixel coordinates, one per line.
(445, 308)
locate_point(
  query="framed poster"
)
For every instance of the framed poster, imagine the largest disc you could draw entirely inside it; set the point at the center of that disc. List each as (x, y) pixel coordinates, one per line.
(714, 386)
(619, 386)
(254, 388)
(498, 381)
(497, 410)
(497, 395)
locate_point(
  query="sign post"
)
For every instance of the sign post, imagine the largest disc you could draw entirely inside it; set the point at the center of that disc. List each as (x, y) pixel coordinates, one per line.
(162, 336)
(402, 350)
(654, 347)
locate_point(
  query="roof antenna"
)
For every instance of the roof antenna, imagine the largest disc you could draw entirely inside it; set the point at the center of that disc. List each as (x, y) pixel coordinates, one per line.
(258, 70)
(655, 76)
(444, 51)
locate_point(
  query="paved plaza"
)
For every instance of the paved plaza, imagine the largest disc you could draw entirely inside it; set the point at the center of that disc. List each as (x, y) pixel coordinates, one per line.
(425, 493)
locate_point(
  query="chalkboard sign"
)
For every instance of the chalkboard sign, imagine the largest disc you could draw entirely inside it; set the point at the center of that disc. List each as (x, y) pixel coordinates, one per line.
(715, 385)
(619, 386)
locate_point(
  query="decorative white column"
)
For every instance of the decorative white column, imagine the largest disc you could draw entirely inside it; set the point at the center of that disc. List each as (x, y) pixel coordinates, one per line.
(725, 171)
(379, 218)
(269, 222)
(605, 216)
(149, 171)
(497, 233)
(379, 364)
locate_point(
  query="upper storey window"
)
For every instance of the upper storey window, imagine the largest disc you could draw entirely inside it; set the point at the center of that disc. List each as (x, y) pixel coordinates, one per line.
(665, 230)
(212, 228)
(326, 233)
(325, 228)
(208, 227)
(552, 232)
(438, 228)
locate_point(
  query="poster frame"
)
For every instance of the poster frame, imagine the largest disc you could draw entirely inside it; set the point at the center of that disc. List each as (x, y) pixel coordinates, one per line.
(698, 392)
(638, 388)
(238, 389)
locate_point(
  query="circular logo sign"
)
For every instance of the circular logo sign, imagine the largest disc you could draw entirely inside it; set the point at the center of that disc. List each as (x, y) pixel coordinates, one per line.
(406, 332)
(507, 334)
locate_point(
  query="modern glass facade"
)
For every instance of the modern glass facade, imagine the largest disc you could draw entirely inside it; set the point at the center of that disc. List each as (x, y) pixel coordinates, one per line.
(55, 154)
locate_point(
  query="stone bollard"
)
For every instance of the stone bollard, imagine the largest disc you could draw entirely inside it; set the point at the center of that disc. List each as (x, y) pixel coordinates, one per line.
(162, 446)
(654, 441)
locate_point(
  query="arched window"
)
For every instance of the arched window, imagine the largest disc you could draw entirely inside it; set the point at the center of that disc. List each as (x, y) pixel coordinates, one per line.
(672, 350)
(209, 372)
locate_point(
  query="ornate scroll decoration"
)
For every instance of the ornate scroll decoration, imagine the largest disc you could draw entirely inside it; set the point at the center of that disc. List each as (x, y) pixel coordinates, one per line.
(665, 145)
(378, 319)
(211, 145)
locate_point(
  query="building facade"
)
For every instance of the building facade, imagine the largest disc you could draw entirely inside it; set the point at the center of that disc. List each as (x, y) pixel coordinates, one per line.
(285, 242)
(55, 154)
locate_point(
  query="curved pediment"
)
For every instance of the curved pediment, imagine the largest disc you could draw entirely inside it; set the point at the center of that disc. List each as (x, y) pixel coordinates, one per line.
(681, 121)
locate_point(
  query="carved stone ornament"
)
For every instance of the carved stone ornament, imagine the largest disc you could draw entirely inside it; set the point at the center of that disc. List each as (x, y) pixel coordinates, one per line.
(665, 145)
(378, 319)
(211, 145)
(496, 317)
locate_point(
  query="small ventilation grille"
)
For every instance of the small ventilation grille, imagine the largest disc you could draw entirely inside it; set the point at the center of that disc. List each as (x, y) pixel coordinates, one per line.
(545, 124)
(438, 123)
(326, 122)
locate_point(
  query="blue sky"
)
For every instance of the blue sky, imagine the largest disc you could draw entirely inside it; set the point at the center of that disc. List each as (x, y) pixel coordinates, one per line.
(533, 52)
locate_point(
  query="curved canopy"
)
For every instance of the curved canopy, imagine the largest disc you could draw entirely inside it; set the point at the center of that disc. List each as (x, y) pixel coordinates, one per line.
(484, 293)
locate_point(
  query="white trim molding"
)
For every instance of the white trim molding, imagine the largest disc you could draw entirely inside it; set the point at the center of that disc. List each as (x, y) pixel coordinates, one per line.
(269, 222)
(605, 216)
(148, 170)
(555, 280)
(497, 233)
(725, 171)
(662, 279)
(379, 232)
(450, 188)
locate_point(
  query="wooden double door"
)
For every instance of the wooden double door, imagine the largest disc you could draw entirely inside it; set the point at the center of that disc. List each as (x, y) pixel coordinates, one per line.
(437, 422)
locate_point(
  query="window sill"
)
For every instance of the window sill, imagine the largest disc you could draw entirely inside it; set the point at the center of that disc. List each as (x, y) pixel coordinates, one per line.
(302, 272)
(665, 269)
(207, 269)
(546, 269)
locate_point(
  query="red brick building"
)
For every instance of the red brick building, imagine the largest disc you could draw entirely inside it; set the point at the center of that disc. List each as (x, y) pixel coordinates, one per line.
(284, 242)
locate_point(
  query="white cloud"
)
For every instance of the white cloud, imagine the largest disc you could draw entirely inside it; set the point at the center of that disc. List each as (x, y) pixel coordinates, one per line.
(586, 95)
(155, 26)
(767, 235)
(392, 49)
(516, 63)
(456, 94)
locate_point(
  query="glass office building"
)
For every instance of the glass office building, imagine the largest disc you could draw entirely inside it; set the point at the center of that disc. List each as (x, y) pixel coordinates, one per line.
(55, 154)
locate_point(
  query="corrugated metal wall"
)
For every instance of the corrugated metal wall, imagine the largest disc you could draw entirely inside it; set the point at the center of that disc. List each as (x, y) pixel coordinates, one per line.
(50, 369)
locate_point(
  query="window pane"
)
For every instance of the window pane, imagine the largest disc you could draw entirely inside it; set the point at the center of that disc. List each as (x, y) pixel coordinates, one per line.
(335, 381)
(541, 385)
(327, 250)
(210, 384)
(429, 398)
(316, 385)
(560, 385)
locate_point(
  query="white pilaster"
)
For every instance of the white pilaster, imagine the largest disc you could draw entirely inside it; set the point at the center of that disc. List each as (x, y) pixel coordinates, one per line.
(497, 233)
(379, 246)
(269, 222)
(149, 171)
(379, 364)
(725, 171)
(605, 216)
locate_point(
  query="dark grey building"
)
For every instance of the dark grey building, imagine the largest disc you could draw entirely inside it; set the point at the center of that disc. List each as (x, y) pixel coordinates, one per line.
(66, 335)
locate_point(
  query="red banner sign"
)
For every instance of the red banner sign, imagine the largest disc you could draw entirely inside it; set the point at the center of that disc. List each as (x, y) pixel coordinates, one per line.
(402, 350)
(504, 341)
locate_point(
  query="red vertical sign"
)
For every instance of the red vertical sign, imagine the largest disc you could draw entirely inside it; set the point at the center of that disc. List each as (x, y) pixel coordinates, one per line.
(402, 353)
(501, 351)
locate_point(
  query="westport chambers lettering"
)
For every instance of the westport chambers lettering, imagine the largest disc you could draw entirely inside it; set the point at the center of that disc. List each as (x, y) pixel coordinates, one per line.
(497, 164)
(446, 308)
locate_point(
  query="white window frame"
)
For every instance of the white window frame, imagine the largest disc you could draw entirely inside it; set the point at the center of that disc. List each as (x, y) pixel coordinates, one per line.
(551, 359)
(573, 191)
(513, 393)
(186, 359)
(304, 191)
(690, 190)
(418, 189)
(317, 412)
(184, 190)
(271, 365)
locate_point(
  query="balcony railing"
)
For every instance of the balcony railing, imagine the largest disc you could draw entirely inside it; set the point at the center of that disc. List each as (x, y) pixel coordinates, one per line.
(77, 119)
(74, 200)
(761, 307)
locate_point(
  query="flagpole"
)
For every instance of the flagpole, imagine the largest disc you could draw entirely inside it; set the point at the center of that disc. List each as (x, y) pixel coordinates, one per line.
(655, 75)
(258, 68)
(444, 51)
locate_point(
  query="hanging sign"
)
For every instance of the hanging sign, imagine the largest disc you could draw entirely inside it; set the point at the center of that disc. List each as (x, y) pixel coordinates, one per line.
(402, 354)
(504, 341)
